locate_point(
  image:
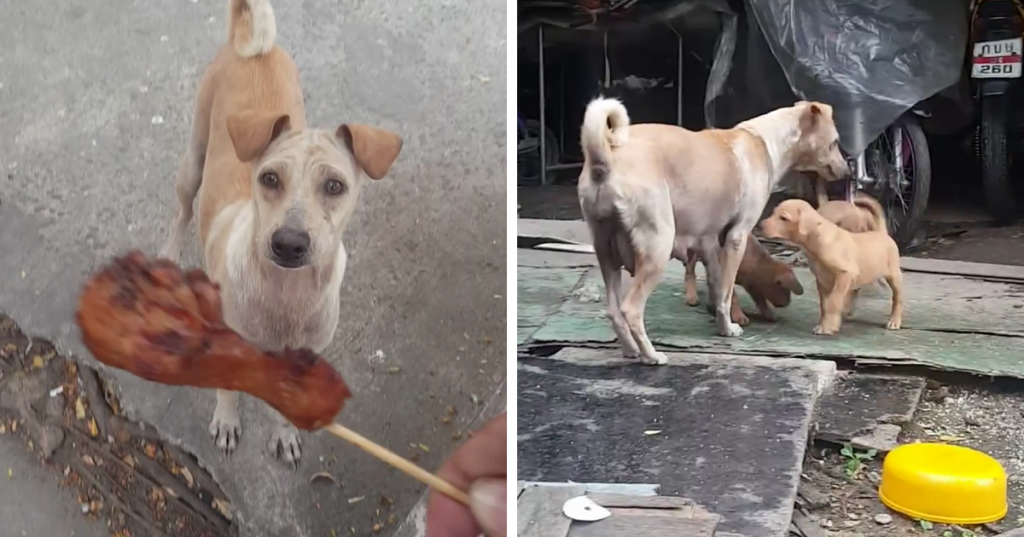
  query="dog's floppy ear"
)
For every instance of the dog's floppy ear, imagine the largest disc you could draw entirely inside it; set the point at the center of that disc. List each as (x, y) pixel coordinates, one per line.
(788, 281)
(811, 115)
(805, 223)
(252, 132)
(375, 149)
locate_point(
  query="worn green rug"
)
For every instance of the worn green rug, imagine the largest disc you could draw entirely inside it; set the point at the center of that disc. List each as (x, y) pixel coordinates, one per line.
(949, 323)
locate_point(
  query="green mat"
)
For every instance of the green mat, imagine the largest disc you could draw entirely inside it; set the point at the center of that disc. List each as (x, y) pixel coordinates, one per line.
(950, 322)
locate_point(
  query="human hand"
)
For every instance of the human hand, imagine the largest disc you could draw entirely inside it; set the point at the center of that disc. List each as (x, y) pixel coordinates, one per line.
(477, 466)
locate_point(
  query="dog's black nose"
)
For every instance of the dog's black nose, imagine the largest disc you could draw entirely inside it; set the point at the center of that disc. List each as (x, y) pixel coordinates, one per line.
(290, 246)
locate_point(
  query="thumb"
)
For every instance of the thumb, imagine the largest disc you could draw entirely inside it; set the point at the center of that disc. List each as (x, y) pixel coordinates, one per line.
(487, 499)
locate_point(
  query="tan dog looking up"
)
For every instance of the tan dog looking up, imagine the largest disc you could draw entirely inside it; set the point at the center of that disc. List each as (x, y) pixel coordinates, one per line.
(652, 192)
(768, 281)
(842, 262)
(275, 198)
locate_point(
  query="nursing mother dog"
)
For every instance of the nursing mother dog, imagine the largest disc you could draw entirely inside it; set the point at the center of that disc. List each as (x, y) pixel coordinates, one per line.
(650, 193)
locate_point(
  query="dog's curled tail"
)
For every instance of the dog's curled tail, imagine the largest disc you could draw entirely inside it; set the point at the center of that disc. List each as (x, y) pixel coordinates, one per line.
(605, 126)
(251, 27)
(872, 206)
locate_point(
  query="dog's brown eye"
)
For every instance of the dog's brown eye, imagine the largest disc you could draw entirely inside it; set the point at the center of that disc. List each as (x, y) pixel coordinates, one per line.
(334, 187)
(269, 180)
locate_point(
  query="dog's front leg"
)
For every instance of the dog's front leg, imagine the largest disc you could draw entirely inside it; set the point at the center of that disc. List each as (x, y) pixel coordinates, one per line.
(736, 311)
(834, 303)
(895, 281)
(226, 427)
(731, 254)
(284, 441)
(764, 308)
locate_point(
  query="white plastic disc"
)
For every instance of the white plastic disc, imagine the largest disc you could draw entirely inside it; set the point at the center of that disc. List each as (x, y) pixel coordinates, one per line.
(584, 509)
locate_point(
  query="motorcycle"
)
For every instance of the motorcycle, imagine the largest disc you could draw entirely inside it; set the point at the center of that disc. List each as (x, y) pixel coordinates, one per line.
(995, 40)
(896, 169)
(528, 161)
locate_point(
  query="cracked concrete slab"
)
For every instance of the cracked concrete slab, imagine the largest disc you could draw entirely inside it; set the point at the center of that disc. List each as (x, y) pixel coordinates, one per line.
(728, 432)
(96, 98)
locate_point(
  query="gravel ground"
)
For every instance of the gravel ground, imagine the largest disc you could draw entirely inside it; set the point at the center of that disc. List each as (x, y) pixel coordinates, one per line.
(979, 416)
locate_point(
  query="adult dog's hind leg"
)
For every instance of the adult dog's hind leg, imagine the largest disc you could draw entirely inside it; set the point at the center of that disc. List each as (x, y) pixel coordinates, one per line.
(652, 254)
(612, 275)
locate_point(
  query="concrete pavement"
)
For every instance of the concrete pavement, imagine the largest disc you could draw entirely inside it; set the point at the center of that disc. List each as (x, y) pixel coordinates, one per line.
(95, 100)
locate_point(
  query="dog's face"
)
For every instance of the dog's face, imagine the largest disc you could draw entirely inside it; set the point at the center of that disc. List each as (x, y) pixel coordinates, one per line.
(306, 183)
(818, 148)
(792, 220)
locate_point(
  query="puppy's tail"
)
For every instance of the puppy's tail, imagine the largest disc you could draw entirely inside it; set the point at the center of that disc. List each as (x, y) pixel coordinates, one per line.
(605, 126)
(871, 205)
(251, 27)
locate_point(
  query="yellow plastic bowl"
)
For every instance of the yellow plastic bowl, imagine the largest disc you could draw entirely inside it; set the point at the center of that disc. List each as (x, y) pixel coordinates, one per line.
(944, 483)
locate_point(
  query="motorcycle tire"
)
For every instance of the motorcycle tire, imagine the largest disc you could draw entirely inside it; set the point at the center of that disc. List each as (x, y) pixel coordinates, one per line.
(995, 160)
(904, 227)
(529, 166)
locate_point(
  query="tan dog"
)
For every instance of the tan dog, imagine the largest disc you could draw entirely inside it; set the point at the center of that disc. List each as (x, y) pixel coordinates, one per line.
(767, 280)
(842, 213)
(275, 198)
(842, 262)
(650, 193)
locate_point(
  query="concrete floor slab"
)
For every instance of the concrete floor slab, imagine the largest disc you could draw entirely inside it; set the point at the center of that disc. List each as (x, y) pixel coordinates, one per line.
(725, 431)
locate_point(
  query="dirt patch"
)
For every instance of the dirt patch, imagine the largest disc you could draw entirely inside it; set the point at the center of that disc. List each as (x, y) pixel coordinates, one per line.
(974, 242)
(841, 498)
(120, 472)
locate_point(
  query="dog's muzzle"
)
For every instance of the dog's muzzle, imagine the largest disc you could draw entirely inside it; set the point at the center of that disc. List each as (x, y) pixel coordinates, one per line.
(289, 247)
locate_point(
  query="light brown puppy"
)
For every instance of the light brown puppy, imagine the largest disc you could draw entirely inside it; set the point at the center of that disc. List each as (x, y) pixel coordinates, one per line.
(650, 193)
(842, 213)
(842, 262)
(767, 280)
(275, 198)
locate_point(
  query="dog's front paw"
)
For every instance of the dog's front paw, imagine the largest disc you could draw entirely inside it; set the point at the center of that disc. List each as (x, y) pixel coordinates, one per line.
(731, 330)
(822, 331)
(284, 443)
(894, 324)
(658, 358)
(225, 429)
(740, 318)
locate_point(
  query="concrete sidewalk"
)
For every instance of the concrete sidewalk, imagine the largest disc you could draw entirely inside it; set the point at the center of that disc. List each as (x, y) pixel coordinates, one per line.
(96, 100)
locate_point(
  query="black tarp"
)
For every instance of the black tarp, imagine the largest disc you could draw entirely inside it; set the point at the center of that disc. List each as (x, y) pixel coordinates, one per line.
(872, 60)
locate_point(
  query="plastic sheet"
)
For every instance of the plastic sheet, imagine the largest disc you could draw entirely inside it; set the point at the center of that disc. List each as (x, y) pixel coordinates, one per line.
(872, 60)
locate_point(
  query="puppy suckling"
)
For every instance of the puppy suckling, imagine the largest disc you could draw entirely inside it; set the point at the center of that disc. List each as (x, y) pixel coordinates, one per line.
(842, 262)
(768, 281)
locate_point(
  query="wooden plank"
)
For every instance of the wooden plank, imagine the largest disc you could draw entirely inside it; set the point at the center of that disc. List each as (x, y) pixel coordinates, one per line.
(650, 502)
(574, 231)
(962, 268)
(633, 489)
(539, 511)
(647, 526)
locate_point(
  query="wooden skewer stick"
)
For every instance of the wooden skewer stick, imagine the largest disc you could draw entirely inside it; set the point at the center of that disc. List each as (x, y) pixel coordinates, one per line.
(401, 463)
